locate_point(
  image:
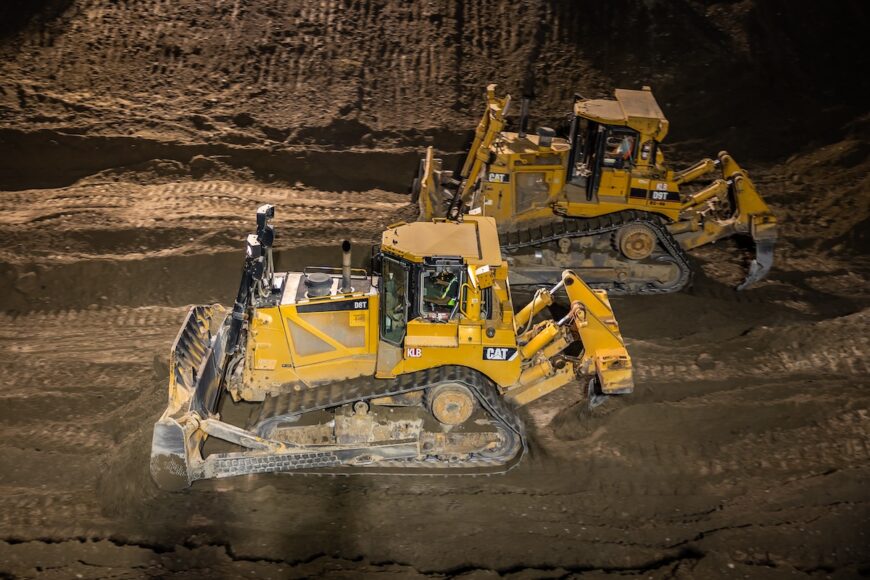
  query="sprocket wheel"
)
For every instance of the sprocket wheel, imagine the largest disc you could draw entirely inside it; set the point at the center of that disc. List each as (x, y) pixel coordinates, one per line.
(635, 241)
(451, 403)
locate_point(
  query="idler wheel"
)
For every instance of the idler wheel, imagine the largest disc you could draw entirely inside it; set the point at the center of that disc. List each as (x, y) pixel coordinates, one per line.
(507, 446)
(451, 403)
(635, 241)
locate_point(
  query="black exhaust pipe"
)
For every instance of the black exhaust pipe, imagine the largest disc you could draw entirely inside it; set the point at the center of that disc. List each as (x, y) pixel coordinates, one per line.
(524, 118)
(345, 267)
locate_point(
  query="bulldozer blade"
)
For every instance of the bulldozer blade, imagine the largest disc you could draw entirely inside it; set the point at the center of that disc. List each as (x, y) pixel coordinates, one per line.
(761, 265)
(196, 378)
(169, 464)
(196, 374)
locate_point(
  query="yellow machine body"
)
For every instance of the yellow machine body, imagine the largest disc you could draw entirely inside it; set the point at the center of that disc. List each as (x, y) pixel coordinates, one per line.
(418, 366)
(305, 342)
(610, 166)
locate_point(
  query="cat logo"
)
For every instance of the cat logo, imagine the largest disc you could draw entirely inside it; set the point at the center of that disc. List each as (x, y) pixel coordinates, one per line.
(499, 177)
(414, 352)
(499, 353)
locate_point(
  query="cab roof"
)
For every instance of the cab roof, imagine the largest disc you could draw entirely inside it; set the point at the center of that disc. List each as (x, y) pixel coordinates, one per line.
(475, 240)
(636, 109)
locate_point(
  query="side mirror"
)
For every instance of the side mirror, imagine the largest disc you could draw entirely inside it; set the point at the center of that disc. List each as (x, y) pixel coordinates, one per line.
(377, 261)
(264, 214)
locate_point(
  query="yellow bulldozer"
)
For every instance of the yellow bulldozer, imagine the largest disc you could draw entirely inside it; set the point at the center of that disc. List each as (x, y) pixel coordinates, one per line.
(600, 201)
(418, 367)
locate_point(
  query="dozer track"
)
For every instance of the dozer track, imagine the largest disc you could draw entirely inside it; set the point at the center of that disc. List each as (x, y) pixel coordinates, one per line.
(668, 249)
(288, 406)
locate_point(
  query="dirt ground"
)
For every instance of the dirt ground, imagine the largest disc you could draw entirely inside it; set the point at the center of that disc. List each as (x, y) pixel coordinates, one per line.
(136, 141)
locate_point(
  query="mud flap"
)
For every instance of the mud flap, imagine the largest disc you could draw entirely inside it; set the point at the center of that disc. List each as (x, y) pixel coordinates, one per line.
(195, 381)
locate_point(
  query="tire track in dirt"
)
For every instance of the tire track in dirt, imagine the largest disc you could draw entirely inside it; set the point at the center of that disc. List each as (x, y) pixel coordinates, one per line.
(85, 222)
(27, 510)
(76, 381)
(832, 443)
(137, 244)
(837, 347)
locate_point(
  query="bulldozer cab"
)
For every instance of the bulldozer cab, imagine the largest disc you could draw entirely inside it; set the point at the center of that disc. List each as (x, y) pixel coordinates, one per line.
(429, 292)
(438, 294)
(611, 140)
(601, 151)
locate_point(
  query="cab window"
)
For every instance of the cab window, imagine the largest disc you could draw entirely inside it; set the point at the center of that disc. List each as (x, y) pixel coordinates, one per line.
(394, 301)
(620, 148)
(532, 188)
(440, 296)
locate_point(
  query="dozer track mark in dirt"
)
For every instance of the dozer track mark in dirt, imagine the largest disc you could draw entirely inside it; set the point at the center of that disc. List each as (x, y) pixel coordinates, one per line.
(417, 368)
(600, 201)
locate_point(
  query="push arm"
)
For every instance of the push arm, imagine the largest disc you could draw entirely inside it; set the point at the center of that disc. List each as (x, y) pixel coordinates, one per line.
(604, 351)
(491, 124)
(591, 318)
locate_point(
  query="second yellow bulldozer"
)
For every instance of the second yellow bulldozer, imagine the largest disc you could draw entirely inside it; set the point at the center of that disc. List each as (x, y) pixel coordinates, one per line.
(600, 201)
(417, 367)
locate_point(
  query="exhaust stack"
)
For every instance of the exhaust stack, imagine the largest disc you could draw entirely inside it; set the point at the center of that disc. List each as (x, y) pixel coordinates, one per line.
(345, 267)
(524, 118)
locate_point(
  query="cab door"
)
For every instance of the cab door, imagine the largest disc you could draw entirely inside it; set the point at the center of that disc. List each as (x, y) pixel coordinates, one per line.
(394, 308)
